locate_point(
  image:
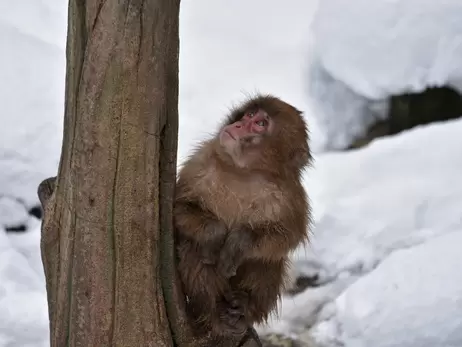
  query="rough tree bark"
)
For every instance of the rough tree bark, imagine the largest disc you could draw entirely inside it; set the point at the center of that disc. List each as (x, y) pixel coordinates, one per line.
(107, 244)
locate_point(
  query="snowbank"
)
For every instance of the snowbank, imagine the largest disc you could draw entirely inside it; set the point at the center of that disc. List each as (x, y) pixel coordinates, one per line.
(388, 230)
(369, 50)
(412, 299)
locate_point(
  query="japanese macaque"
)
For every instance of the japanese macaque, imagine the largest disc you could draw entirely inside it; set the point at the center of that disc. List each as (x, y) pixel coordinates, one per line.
(240, 209)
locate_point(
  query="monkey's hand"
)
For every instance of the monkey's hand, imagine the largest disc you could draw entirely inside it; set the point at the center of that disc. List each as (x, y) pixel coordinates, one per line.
(233, 251)
(228, 263)
(210, 249)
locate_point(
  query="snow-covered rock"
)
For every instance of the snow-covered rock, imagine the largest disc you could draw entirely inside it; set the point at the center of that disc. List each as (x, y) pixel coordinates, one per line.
(364, 51)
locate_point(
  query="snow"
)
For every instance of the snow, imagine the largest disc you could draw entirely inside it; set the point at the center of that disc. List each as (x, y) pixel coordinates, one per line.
(32, 89)
(12, 211)
(369, 303)
(397, 192)
(23, 312)
(386, 245)
(369, 50)
(32, 37)
(387, 217)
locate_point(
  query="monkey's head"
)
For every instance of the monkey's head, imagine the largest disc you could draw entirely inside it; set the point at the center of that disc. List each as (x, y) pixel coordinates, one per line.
(265, 134)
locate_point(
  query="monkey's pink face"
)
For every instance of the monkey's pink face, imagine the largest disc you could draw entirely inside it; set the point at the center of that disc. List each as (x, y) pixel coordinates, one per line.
(242, 140)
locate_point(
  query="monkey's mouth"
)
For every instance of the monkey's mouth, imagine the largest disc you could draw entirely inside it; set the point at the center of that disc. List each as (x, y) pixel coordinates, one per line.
(231, 135)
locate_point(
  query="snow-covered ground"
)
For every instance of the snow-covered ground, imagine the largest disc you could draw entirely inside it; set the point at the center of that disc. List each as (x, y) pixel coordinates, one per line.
(388, 221)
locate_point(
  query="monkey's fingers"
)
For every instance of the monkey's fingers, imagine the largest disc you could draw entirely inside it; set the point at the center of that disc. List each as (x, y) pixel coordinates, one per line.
(227, 265)
(229, 272)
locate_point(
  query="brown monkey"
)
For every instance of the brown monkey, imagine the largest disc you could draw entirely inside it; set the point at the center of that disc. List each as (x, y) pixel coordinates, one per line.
(240, 208)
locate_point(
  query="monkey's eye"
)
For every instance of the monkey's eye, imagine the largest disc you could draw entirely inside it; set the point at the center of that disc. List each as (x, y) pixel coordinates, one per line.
(262, 122)
(250, 114)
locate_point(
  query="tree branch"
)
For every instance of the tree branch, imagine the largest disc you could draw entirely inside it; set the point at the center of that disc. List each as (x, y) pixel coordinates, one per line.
(45, 190)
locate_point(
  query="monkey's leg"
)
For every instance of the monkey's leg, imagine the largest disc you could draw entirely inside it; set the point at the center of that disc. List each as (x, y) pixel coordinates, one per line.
(262, 282)
(201, 283)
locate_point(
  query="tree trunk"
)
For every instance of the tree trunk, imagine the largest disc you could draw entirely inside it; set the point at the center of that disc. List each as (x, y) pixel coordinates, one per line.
(101, 230)
(107, 241)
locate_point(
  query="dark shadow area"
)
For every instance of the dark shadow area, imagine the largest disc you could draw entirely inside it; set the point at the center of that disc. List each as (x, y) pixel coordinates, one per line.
(413, 109)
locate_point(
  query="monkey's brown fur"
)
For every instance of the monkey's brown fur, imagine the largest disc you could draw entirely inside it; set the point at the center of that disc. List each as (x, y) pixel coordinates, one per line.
(237, 219)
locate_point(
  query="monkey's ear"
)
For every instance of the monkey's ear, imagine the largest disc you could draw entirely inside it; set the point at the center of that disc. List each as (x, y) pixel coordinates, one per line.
(300, 157)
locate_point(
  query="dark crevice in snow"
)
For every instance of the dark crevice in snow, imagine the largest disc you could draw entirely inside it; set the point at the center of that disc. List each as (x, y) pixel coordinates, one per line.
(303, 282)
(36, 212)
(16, 228)
(409, 110)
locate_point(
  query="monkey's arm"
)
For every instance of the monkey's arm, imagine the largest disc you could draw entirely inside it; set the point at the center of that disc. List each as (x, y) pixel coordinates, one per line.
(272, 241)
(201, 226)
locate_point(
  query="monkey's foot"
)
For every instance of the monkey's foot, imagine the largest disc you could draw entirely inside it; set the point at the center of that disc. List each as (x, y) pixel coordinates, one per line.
(231, 323)
(232, 320)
